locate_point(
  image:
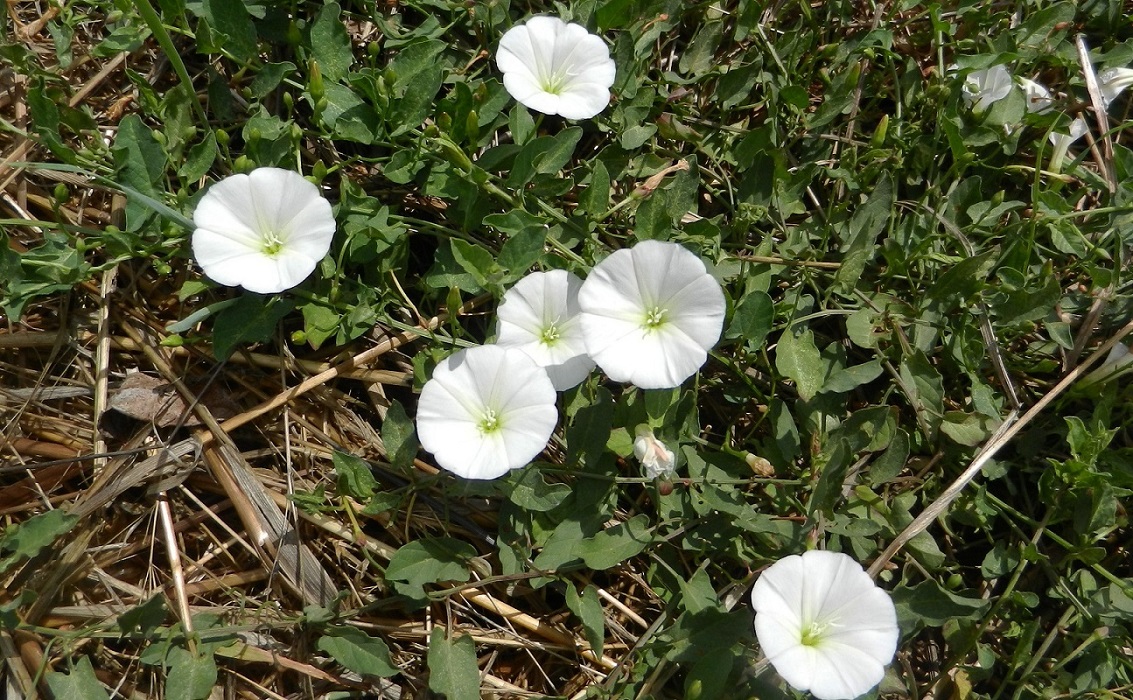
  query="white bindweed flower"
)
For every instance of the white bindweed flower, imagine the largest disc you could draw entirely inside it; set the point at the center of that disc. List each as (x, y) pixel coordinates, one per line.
(983, 88)
(1112, 82)
(539, 315)
(650, 314)
(824, 625)
(264, 231)
(1039, 99)
(486, 410)
(556, 68)
(657, 459)
(1062, 142)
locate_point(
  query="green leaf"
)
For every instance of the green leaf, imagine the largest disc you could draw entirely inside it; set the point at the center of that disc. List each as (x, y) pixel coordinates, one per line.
(79, 684)
(891, 462)
(429, 560)
(925, 389)
(269, 77)
(145, 618)
(411, 110)
(831, 464)
(354, 476)
(587, 434)
(589, 610)
(453, 672)
(139, 162)
(252, 319)
(865, 226)
(559, 153)
(929, 604)
(358, 651)
(200, 159)
(191, 677)
(473, 259)
(612, 546)
(530, 491)
(231, 18)
(417, 57)
(968, 429)
(522, 250)
(799, 360)
(330, 44)
(29, 538)
(399, 436)
(752, 318)
(850, 378)
(595, 199)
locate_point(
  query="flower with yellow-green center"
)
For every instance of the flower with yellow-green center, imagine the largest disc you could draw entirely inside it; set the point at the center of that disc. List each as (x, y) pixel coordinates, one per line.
(539, 315)
(486, 410)
(554, 67)
(264, 231)
(650, 314)
(824, 625)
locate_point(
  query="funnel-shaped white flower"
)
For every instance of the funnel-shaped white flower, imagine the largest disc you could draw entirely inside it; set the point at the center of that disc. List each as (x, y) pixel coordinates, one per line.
(650, 314)
(556, 68)
(657, 459)
(1037, 96)
(539, 315)
(824, 625)
(1062, 142)
(1112, 82)
(486, 410)
(983, 88)
(264, 231)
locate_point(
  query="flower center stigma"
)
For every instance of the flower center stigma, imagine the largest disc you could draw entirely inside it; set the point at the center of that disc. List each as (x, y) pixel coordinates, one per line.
(813, 634)
(272, 244)
(490, 421)
(550, 335)
(654, 318)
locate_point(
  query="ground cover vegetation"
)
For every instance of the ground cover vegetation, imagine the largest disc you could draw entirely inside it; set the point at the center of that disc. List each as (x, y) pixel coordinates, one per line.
(917, 215)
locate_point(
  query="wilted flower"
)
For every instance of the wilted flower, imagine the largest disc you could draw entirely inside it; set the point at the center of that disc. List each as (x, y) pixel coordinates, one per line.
(1037, 96)
(486, 410)
(1061, 142)
(1112, 82)
(539, 315)
(556, 68)
(657, 459)
(264, 231)
(983, 88)
(824, 625)
(650, 314)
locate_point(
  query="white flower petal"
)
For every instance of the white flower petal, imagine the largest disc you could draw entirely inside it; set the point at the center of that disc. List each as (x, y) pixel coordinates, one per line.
(556, 68)
(1112, 82)
(625, 289)
(824, 625)
(983, 88)
(484, 383)
(265, 231)
(545, 302)
(1039, 99)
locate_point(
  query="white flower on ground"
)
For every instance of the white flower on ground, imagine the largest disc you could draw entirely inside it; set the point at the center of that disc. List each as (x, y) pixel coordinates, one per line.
(1061, 142)
(824, 625)
(539, 315)
(650, 314)
(264, 231)
(556, 68)
(1112, 82)
(657, 459)
(1039, 99)
(486, 410)
(983, 88)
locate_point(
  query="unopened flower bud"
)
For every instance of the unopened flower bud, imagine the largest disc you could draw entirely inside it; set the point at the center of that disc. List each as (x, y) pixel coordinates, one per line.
(657, 459)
